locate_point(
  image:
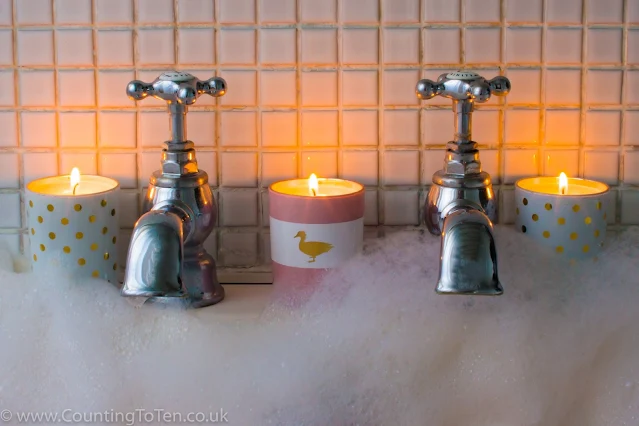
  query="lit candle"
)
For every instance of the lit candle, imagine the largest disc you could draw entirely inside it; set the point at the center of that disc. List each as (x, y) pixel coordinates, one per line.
(567, 214)
(316, 225)
(73, 225)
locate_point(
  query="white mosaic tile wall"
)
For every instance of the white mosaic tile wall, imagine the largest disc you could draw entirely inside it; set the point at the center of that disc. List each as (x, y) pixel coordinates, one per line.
(324, 86)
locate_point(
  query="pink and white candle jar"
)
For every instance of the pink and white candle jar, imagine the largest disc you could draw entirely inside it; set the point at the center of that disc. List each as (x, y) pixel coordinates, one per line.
(316, 225)
(568, 215)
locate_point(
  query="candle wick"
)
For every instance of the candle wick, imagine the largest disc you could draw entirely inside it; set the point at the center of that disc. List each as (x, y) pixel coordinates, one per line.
(563, 191)
(314, 194)
(75, 187)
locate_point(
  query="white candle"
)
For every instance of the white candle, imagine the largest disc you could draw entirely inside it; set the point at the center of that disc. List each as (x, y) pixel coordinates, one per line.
(73, 225)
(567, 214)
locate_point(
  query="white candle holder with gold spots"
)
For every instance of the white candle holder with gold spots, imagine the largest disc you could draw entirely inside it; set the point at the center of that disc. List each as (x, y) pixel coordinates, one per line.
(75, 235)
(572, 224)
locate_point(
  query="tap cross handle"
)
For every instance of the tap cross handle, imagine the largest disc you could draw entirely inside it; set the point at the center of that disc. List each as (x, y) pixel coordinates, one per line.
(176, 87)
(463, 85)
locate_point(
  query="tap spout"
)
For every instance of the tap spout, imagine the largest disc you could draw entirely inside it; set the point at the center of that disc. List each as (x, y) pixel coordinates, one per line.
(155, 258)
(468, 262)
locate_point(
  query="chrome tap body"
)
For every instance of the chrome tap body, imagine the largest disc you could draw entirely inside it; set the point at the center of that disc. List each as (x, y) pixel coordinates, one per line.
(166, 256)
(461, 205)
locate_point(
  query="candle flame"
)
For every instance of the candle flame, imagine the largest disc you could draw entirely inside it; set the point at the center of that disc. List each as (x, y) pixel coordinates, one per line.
(75, 179)
(563, 183)
(313, 185)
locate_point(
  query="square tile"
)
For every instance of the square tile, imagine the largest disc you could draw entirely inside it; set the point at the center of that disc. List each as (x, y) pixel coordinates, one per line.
(36, 88)
(401, 168)
(85, 161)
(149, 163)
(74, 47)
(360, 128)
(196, 46)
(633, 47)
(482, 11)
(522, 127)
(121, 167)
(155, 11)
(441, 10)
(34, 11)
(490, 163)
(629, 207)
(277, 166)
(563, 87)
(507, 213)
(360, 10)
(278, 11)
(239, 128)
(563, 46)
(370, 208)
(129, 209)
(401, 127)
(528, 84)
(631, 167)
(114, 11)
(436, 126)
(6, 12)
(319, 88)
(633, 12)
(238, 208)
(107, 95)
(117, 129)
(196, 11)
(403, 11)
(244, 92)
(564, 11)
(153, 128)
(401, 46)
(200, 128)
(486, 127)
(318, 11)
(35, 47)
(278, 46)
(604, 46)
(207, 161)
(73, 11)
(399, 87)
(115, 47)
(319, 46)
(631, 128)
(9, 126)
(562, 127)
(602, 166)
(360, 166)
(482, 45)
(239, 169)
(39, 129)
(237, 11)
(359, 88)
(152, 47)
(401, 208)
(319, 128)
(10, 217)
(603, 86)
(9, 171)
(524, 11)
(323, 164)
(238, 249)
(603, 127)
(558, 161)
(278, 88)
(77, 129)
(279, 128)
(605, 11)
(432, 161)
(6, 80)
(68, 93)
(360, 46)
(523, 45)
(6, 47)
(632, 86)
(237, 46)
(520, 163)
(37, 165)
(441, 45)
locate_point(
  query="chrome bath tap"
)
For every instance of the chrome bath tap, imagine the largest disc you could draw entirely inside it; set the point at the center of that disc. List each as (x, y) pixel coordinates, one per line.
(461, 204)
(166, 257)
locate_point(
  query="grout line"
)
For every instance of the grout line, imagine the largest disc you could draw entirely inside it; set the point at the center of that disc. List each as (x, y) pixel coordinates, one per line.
(583, 92)
(381, 146)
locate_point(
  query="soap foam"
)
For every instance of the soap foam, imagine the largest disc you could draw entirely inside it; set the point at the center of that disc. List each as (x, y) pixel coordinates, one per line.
(374, 345)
